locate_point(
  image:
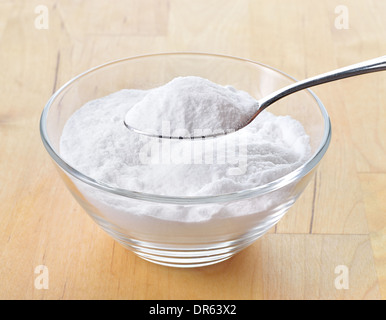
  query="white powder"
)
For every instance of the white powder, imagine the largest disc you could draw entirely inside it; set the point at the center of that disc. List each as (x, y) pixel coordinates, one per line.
(192, 104)
(96, 142)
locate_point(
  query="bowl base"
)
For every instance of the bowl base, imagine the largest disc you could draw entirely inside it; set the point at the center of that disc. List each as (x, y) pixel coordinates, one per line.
(193, 257)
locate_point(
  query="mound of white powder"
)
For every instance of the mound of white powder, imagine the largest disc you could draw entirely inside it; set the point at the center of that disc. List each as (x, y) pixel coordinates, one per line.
(191, 104)
(96, 142)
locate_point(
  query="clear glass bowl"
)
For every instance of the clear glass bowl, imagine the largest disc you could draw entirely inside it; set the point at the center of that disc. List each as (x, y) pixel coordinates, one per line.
(240, 217)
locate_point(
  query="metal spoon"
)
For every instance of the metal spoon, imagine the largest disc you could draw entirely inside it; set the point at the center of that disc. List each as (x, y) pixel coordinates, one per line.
(373, 65)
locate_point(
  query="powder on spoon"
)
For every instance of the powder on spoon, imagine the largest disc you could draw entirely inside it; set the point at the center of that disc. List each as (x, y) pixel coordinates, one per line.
(190, 105)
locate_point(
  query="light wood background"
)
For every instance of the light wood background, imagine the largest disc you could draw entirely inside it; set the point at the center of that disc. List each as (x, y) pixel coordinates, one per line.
(339, 220)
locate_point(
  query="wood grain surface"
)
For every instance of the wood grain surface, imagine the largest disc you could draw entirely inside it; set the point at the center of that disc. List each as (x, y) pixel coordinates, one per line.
(339, 221)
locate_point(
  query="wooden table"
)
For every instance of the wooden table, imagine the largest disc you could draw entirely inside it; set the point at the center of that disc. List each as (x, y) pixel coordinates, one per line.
(330, 245)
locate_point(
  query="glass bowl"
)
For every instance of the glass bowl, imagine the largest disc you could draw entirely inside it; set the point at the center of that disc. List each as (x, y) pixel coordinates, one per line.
(237, 219)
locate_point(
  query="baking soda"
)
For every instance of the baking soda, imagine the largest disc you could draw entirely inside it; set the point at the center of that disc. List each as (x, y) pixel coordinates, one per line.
(96, 142)
(193, 106)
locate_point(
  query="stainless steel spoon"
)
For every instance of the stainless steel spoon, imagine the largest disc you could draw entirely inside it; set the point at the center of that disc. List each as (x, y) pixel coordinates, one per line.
(373, 65)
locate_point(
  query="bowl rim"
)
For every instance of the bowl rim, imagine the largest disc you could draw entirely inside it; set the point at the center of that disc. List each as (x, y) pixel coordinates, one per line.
(187, 200)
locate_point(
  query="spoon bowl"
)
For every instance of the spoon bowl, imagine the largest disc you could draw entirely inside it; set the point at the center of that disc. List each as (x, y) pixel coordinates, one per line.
(369, 66)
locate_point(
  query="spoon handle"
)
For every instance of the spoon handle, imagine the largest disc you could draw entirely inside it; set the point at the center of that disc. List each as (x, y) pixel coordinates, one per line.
(373, 65)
